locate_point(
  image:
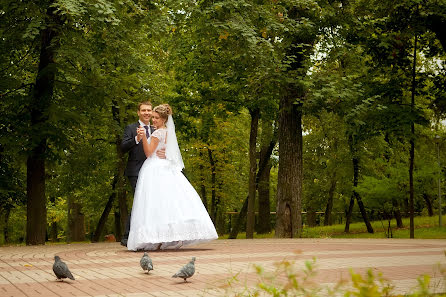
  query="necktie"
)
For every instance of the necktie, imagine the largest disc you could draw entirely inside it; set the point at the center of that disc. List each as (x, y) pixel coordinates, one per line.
(147, 131)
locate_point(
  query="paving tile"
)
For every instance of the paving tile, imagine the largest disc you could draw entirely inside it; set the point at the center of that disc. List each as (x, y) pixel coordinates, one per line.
(223, 267)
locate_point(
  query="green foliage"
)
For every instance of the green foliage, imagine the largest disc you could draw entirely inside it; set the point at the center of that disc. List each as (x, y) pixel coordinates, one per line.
(213, 61)
(370, 286)
(286, 279)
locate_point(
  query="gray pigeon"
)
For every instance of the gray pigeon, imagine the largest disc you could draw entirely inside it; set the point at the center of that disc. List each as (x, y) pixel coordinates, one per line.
(61, 269)
(146, 263)
(187, 271)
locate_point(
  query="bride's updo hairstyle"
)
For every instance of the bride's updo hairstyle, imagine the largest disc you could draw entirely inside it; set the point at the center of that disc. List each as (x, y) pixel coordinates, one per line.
(164, 111)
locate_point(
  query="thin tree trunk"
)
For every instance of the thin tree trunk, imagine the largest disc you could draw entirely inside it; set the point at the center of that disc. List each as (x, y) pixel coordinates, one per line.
(120, 185)
(396, 206)
(262, 165)
(311, 217)
(264, 223)
(289, 189)
(118, 228)
(240, 218)
(54, 232)
(6, 224)
(363, 212)
(348, 216)
(123, 208)
(328, 221)
(54, 225)
(397, 214)
(358, 197)
(105, 213)
(255, 114)
(101, 223)
(76, 224)
(219, 216)
(213, 187)
(355, 194)
(429, 207)
(203, 184)
(412, 143)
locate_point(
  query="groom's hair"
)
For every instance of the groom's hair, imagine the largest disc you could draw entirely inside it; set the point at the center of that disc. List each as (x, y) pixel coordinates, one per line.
(144, 103)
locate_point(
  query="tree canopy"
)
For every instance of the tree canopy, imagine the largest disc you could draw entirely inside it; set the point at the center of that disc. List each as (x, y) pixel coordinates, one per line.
(327, 103)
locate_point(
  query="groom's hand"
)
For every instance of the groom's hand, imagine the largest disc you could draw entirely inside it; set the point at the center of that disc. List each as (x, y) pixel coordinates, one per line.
(161, 153)
(140, 133)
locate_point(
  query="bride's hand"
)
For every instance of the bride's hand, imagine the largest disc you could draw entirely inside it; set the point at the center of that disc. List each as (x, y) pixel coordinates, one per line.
(161, 153)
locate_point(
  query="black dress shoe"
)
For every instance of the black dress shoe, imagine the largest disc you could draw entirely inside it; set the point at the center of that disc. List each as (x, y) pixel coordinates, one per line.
(124, 242)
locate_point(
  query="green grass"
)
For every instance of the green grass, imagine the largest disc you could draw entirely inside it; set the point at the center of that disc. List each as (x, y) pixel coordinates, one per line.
(425, 228)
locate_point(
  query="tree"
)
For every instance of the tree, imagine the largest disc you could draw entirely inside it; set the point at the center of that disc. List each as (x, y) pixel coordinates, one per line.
(300, 39)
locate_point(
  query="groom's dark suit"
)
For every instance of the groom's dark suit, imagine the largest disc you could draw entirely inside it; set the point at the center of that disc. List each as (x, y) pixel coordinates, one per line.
(134, 163)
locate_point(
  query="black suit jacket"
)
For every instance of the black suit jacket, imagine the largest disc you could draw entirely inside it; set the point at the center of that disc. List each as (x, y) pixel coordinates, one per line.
(136, 151)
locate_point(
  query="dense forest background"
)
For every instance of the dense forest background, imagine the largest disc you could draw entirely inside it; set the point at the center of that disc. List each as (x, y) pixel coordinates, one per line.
(331, 108)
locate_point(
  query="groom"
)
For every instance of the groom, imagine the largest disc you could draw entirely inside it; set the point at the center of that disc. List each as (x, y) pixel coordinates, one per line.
(131, 143)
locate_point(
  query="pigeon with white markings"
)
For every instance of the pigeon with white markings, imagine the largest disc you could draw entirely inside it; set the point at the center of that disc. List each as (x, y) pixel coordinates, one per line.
(61, 269)
(146, 263)
(187, 271)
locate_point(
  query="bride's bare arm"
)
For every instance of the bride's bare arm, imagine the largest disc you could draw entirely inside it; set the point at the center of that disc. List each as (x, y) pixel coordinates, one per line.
(149, 148)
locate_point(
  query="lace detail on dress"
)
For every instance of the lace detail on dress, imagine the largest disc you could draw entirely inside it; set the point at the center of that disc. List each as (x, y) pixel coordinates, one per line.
(160, 134)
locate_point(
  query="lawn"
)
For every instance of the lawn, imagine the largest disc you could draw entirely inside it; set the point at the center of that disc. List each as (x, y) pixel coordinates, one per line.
(425, 228)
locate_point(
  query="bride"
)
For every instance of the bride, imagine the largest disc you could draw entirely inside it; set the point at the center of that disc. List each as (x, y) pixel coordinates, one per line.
(167, 212)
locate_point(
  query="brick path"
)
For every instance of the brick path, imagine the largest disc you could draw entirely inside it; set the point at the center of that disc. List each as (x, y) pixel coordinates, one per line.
(108, 269)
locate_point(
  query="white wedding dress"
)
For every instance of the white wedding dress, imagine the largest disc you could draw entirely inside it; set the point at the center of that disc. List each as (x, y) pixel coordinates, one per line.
(167, 212)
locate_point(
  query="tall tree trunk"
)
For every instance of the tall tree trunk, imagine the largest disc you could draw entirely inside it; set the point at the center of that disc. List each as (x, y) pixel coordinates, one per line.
(264, 223)
(289, 183)
(412, 142)
(40, 103)
(255, 114)
(36, 203)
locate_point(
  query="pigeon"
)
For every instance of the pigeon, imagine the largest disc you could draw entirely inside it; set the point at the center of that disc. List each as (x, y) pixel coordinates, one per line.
(187, 271)
(146, 263)
(61, 269)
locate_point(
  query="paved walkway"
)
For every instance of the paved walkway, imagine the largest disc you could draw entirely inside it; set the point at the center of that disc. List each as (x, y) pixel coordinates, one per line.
(223, 267)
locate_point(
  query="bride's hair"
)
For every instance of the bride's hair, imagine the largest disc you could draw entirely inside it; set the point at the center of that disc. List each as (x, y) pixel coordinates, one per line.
(164, 110)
